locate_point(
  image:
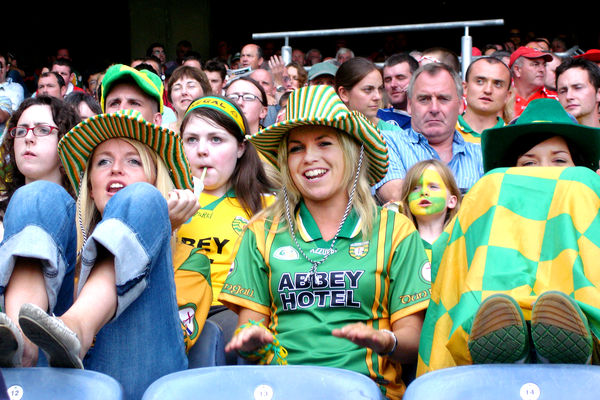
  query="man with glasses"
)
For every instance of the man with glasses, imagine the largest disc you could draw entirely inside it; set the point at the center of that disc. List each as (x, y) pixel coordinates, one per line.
(11, 95)
(158, 50)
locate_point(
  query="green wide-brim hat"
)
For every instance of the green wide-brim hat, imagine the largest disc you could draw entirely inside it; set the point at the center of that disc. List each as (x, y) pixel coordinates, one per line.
(320, 105)
(77, 146)
(542, 116)
(147, 81)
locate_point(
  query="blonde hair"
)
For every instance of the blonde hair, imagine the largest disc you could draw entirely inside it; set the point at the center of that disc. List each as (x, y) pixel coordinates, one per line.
(412, 178)
(363, 202)
(87, 213)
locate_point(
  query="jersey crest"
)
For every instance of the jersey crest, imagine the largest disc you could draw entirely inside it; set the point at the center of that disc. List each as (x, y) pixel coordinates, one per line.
(187, 315)
(359, 250)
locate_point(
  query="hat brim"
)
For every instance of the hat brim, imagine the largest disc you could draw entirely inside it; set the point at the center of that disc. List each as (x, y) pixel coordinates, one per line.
(354, 124)
(76, 147)
(498, 144)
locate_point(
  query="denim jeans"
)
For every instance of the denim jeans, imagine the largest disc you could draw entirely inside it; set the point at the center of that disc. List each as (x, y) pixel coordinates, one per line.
(144, 340)
(40, 223)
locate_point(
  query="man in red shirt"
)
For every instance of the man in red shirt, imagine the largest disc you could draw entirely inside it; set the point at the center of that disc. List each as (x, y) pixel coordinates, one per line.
(529, 71)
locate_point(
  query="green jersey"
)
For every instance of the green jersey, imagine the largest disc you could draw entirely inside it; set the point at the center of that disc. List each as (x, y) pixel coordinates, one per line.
(375, 280)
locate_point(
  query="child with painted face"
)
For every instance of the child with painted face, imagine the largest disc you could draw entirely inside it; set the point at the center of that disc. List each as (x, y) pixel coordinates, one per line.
(431, 198)
(234, 187)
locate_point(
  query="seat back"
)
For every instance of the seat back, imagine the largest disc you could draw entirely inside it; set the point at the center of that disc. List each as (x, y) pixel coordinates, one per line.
(209, 349)
(265, 383)
(60, 383)
(507, 381)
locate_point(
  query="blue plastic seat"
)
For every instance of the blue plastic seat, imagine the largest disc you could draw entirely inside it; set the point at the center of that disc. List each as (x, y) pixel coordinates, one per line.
(262, 382)
(60, 383)
(209, 349)
(507, 381)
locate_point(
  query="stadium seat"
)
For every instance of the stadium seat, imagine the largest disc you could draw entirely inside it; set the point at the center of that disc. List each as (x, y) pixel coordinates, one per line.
(209, 349)
(507, 381)
(264, 383)
(60, 383)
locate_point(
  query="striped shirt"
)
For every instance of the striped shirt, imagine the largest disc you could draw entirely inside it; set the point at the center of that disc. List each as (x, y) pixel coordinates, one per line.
(408, 148)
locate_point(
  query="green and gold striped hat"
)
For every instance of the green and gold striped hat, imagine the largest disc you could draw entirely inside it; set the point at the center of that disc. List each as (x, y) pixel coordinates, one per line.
(76, 147)
(320, 105)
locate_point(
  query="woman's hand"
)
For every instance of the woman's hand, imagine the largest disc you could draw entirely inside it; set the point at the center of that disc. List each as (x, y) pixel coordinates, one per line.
(365, 336)
(182, 206)
(249, 339)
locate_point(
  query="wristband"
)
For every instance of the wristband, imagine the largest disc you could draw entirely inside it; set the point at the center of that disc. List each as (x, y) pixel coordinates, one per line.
(395, 343)
(265, 354)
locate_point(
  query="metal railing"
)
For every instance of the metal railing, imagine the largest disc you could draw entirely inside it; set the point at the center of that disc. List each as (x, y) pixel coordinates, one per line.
(466, 42)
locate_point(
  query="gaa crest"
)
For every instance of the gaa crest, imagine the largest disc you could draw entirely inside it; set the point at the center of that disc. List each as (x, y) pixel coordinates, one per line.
(238, 224)
(359, 250)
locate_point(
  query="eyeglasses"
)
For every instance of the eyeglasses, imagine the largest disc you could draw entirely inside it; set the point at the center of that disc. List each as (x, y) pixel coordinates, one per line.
(38, 130)
(246, 97)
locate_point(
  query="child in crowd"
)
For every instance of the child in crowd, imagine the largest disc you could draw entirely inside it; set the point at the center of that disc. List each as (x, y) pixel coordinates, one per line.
(235, 187)
(430, 199)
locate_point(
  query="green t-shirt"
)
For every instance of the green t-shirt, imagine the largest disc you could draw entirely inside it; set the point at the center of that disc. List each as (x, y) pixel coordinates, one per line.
(376, 281)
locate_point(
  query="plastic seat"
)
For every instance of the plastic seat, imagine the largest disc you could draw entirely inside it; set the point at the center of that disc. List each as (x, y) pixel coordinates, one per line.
(60, 383)
(507, 381)
(264, 383)
(209, 349)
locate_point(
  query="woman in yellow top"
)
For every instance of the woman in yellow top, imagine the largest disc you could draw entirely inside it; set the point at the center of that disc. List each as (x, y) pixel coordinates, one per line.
(235, 187)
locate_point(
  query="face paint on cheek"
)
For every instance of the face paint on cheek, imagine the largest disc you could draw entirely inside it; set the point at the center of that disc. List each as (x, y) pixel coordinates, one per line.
(431, 198)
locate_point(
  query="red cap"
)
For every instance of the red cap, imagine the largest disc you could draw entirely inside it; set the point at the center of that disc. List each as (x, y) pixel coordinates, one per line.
(528, 52)
(592, 55)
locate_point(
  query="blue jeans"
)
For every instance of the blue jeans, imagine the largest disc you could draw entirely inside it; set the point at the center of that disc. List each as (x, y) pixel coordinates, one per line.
(40, 223)
(144, 340)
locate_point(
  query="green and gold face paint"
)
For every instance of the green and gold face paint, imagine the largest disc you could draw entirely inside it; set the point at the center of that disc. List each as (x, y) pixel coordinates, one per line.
(429, 195)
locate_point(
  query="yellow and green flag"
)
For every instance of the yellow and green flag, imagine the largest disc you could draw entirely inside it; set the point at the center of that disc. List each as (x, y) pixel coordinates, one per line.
(520, 231)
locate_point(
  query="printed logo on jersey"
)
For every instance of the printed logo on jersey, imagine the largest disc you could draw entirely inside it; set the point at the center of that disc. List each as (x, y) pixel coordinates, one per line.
(426, 272)
(416, 297)
(238, 224)
(286, 253)
(323, 289)
(359, 250)
(187, 315)
(323, 252)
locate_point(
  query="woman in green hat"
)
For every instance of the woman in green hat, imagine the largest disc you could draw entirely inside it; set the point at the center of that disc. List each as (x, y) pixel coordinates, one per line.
(517, 265)
(324, 276)
(123, 169)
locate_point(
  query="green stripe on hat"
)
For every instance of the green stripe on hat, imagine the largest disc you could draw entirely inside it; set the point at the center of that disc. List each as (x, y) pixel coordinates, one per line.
(77, 146)
(320, 105)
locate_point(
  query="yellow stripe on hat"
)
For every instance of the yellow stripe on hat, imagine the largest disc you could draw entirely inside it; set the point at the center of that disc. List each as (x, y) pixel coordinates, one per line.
(219, 104)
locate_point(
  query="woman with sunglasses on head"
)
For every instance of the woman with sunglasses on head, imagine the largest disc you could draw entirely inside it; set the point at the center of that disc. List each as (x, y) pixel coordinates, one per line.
(31, 165)
(324, 276)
